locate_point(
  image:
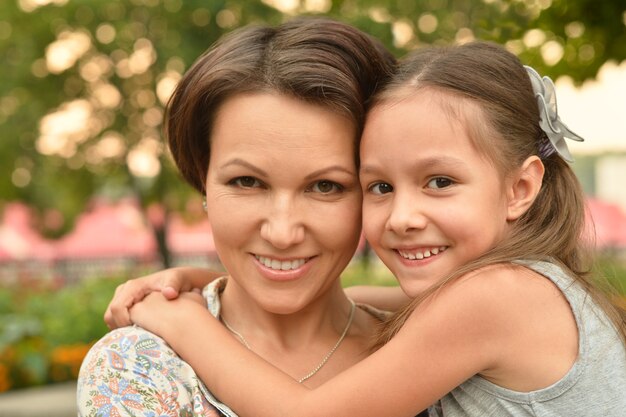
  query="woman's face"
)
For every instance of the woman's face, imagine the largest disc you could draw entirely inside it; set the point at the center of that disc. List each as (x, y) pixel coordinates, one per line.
(283, 198)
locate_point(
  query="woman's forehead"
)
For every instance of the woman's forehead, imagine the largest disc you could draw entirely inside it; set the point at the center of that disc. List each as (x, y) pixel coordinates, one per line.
(274, 121)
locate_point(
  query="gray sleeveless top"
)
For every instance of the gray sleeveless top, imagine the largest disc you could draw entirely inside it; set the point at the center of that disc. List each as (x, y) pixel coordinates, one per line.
(595, 386)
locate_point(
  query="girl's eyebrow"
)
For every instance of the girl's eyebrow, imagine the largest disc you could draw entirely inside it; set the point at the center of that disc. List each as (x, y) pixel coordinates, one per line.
(245, 164)
(443, 161)
(440, 162)
(368, 169)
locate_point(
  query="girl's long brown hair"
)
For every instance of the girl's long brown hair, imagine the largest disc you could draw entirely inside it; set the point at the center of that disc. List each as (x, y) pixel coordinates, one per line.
(488, 77)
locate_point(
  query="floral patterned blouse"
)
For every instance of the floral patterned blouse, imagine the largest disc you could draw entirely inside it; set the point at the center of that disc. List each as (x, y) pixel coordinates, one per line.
(131, 372)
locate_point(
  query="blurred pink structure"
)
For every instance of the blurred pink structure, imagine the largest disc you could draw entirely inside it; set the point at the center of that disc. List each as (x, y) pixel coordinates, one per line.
(609, 222)
(18, 239)
(106, 230)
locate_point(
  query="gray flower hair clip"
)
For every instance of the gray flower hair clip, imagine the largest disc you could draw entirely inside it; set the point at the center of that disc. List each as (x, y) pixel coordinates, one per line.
(549, 119)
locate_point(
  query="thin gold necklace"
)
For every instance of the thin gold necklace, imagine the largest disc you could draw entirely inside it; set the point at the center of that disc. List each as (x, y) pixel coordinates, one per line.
(328, 355)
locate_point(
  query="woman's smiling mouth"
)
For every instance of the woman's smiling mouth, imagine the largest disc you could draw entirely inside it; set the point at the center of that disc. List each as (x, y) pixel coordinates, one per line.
(281, 265)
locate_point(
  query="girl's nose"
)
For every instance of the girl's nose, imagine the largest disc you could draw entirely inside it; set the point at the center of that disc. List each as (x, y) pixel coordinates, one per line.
(406, 215)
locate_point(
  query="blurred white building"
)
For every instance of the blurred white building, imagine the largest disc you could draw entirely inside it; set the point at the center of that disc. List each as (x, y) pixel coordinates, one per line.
(610, 179)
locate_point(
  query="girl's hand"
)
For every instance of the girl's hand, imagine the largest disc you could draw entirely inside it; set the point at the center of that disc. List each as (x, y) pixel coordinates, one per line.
(157, 314)
(170, 282)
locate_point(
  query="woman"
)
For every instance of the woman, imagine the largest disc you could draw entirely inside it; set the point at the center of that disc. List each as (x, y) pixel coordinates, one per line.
(266, 124)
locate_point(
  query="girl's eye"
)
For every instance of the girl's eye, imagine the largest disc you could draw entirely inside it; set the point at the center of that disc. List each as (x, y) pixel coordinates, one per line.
(326, 187)
(245, 182)
(439, 182)
(380, 188)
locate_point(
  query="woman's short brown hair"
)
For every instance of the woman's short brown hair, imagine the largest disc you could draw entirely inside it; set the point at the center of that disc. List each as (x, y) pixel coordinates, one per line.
(320, 61)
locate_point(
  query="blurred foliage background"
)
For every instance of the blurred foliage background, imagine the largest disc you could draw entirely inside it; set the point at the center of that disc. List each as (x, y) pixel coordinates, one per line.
(83, 85)
(46, 331)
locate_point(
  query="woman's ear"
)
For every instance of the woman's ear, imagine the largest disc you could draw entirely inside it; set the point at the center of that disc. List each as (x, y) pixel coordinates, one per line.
(524, 187)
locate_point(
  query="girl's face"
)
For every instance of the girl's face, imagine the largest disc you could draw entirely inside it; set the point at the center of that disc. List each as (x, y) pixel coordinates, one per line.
(283, 199)
(431, 201)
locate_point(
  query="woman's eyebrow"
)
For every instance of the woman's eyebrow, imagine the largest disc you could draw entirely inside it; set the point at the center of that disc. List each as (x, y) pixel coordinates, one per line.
(241, 162)
(326, 170)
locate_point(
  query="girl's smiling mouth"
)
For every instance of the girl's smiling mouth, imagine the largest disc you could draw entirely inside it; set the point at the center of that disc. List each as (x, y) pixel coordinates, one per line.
(418, 254)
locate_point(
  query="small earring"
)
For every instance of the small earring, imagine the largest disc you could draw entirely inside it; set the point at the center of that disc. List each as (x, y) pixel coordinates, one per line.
(204, 203)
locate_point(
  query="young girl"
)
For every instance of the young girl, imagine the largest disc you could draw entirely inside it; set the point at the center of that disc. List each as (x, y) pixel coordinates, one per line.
(469, 201)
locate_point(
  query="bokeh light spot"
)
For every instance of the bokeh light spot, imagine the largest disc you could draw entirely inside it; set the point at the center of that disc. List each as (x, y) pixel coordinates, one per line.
(105, 33)
(427, 23)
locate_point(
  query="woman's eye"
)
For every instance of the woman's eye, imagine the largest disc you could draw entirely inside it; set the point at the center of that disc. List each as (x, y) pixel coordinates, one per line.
(380, 188)
(246, 182)
(439, 182)
(326, 187)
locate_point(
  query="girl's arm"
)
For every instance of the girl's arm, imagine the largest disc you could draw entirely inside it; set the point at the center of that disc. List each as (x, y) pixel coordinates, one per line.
(170, 282)
(452, 336)
(382, 298)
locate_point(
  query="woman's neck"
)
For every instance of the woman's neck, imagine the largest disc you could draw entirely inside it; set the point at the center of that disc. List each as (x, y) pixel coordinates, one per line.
(285, 327)
(297, 341)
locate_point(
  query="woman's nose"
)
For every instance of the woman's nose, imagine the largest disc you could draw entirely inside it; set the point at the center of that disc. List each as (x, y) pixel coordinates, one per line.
(283, 226)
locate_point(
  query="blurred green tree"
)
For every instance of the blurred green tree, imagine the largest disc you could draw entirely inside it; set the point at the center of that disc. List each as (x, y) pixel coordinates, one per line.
(84, 83)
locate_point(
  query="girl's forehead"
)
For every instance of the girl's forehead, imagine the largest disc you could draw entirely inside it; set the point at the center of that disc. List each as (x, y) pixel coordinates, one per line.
(428, 119)
(414, 103)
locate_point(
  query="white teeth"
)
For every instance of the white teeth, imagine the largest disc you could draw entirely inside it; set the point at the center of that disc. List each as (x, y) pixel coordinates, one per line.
(421, 255)
(280, 265)
(297, 263)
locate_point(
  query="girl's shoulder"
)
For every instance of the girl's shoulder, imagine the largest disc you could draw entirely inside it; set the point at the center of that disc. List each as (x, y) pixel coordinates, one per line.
(510, 295)
(487, 302)
(507, 282)
(503, 322)
(493, 287)
(528, 320)
(502, 304)
(493, 300)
